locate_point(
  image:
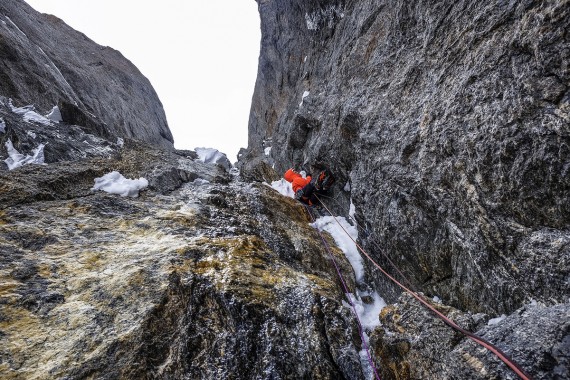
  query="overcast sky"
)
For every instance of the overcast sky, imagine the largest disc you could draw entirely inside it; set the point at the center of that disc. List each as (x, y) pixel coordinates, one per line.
(200, 56)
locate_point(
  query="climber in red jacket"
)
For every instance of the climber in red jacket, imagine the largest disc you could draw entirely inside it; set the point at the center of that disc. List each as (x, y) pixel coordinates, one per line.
(305, 188)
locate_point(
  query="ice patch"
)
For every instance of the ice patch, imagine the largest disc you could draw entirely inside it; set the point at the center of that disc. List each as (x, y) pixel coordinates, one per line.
(55, 115)
(16, 159)
(2, 126)
(115, 183)
(213, 156)
(344, 242)
(494, 321)
(436, 299)
(283, 187)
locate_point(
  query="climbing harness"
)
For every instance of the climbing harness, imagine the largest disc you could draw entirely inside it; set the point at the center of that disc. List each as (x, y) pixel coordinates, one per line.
(347, 292)
(489, 346)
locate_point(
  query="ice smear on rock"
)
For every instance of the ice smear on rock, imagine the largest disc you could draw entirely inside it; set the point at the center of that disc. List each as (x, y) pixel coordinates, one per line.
(115, 183)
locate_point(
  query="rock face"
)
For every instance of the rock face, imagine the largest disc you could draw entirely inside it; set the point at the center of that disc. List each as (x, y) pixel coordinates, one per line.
(200, 277)
(450, 121)
(46, 63)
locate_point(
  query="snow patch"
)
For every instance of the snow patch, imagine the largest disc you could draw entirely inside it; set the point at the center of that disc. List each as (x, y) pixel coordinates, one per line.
(494, 321)
(283, 187)
(436, 299)
(344, 242)
(16, 159)
(213, 156)
(55, 115)
(368, 313)
(2, 126)
(34, 117)
(31, 134)
(267, 151)
(347, 186)
(120, 142)
(115, 183)
(29, 114)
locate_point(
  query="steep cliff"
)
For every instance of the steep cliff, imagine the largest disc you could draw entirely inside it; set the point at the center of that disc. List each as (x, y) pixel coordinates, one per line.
(449, 124)
(46, 63)
(447, 121)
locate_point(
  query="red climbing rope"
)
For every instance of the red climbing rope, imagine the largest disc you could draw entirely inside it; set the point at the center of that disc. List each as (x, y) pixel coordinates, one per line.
(346, 291)
(500, 354)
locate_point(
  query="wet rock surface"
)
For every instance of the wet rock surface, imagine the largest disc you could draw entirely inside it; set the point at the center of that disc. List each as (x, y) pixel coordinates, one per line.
(46, 63)
(208, 278)
(449, 121)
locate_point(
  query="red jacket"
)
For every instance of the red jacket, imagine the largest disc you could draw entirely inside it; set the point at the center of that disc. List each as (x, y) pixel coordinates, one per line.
(297, 181)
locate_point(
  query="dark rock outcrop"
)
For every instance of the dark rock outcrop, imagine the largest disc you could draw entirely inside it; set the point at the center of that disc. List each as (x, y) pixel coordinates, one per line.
(413, 344)
(450, 121)
(45, 62)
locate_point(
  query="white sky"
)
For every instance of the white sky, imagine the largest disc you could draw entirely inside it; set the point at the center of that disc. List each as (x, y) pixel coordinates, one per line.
(200, 56)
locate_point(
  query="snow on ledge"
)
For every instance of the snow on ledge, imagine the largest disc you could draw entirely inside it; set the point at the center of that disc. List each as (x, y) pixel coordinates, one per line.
(213, 156)
(115, 183)
(283, 187)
